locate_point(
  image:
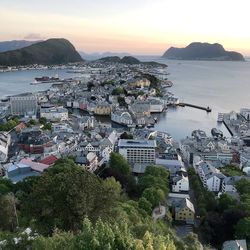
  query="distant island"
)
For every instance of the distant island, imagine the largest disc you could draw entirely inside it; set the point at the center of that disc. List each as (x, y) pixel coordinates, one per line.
(128, 60)
(203, 51)
(52, 51)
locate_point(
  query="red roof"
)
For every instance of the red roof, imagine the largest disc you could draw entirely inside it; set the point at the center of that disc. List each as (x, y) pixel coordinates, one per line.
(49, 160)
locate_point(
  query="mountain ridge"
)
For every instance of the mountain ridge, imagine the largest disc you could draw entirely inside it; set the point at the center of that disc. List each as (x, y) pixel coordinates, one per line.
(49, 52)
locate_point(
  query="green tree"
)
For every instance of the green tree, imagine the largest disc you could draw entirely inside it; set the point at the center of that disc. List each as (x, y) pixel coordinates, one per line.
(119, 163)
(154, 196)
(242, 229)
(43, 120)
(225, 202)
(145, 205)
(64, 195)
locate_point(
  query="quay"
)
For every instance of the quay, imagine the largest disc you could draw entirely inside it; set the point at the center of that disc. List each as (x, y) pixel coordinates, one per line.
(182, 104)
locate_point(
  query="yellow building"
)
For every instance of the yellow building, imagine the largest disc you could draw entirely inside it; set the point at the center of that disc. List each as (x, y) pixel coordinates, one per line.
(140, 83)
(184, 211)
(102, 109)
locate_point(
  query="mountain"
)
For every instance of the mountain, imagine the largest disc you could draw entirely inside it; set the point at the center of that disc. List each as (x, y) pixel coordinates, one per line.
(203, 51)
(96, 56)
(15, 44)
(52, 51)
(128, 60)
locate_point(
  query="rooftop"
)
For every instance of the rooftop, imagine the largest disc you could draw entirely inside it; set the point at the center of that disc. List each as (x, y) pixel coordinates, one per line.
(137, 143)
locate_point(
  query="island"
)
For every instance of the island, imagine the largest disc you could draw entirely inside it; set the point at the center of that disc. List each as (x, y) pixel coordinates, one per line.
(129, 60)
(49, 52)
(203, 51)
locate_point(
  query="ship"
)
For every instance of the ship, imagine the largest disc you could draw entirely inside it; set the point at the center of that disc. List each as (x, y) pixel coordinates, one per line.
(46, 79)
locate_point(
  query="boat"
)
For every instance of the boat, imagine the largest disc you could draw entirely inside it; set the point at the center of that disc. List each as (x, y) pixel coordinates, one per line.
(46, 79)
(220, 117)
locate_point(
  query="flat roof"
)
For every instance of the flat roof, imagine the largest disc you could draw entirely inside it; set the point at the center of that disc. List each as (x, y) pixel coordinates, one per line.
(137, 143)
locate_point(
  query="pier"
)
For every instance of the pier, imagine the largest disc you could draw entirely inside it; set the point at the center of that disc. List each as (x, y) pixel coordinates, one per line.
(182, 104)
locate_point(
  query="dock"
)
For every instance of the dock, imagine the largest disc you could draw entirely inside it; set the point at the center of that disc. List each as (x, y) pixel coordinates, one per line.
(182, 104)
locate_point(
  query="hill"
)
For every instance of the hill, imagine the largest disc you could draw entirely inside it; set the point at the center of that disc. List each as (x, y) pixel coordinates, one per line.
(15, 44)
(128, 60)
(203, 51)
(52, 51)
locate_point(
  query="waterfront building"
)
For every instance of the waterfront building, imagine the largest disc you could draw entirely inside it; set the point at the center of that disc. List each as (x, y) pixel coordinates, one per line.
(23, 104)
(138, 151)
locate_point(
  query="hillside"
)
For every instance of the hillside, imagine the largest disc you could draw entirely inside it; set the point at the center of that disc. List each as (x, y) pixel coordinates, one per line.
(15, 44)
(128, 60)
(203, 51)
(52, 51)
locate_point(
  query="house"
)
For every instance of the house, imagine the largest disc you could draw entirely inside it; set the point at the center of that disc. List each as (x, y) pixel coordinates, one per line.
(4, 146)
(121, 116)
(86, 122)
(35, 166)
(139, 83)
(49, 160)
(235, 245)
(17, 172)
(184, 211)
(88, 160)
(180, 183)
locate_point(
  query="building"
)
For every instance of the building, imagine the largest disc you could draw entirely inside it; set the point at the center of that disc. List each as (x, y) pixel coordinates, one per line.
(54, 113)
(139, 83)
(4, 146)
(102, 109)
(122, 117)
(235, 245)
(180, 184)
(184, 211)
(211, 177)
(24, 104)
(138, 151)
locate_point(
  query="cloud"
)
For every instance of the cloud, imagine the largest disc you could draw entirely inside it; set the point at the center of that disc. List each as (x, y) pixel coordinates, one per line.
(34, 36)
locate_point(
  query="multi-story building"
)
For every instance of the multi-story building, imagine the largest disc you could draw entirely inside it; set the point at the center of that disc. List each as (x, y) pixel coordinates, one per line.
(23, 104)
(138, 151)
(4, 145)
(54, 113)
(180, 184)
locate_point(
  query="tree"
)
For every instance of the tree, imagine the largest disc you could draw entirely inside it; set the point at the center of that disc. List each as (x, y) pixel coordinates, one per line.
(154, 196)
(8, 216)
(225, 202)
(43, 120)
(242, 229)
(64, 195)
(243, 186)
(6, 186)
(125, 135)
(119, 163)
(118, 91)
(145, 205)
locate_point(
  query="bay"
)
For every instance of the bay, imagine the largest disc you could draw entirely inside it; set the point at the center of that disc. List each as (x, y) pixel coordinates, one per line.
(223, 86)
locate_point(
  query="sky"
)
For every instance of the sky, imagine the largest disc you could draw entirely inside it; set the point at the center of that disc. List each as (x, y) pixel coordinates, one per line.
(146, 27)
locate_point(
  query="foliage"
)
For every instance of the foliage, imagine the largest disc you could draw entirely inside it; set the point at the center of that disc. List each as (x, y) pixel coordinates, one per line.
(242, 229)
(118, 91)
(6, 186)
(121, 101)
(64, 195)
(154, 196)
(9, 124)
(231, 170)
(126, 135)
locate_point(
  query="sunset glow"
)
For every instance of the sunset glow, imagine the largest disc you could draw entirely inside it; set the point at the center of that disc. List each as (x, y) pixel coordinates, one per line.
(138, 27)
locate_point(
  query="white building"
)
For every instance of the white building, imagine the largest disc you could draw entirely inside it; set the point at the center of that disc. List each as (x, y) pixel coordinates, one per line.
(180, 184)
(54, 113)
(23, 104)
(210, 176)
(138, 151)
(122, 117)
(4, 146)
(156, 105)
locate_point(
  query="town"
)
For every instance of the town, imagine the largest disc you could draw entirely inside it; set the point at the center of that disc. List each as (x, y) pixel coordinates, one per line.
(109, 111)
